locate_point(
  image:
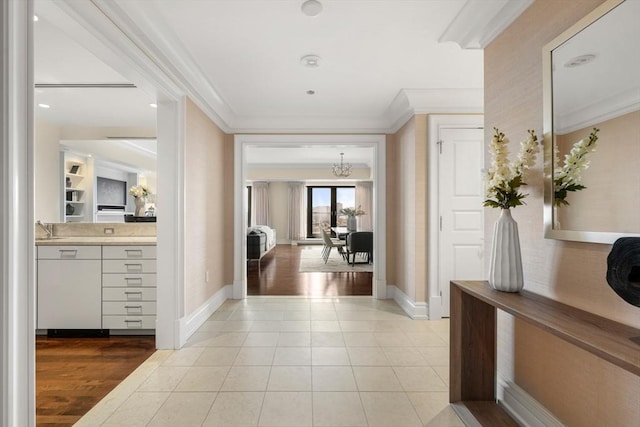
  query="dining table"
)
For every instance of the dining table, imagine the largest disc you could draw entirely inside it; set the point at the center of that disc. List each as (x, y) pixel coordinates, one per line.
(341, 232)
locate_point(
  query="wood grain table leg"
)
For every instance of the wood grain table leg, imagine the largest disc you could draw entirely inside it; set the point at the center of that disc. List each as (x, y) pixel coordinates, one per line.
(473, 348)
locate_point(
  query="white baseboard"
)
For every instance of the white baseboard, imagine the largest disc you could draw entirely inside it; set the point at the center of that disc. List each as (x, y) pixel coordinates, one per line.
(523, 408)
(189, 324)
(435, 308)
(415, 310)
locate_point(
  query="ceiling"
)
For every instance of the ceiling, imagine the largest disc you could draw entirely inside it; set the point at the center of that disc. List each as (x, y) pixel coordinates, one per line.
(612, 75)
(240, 60)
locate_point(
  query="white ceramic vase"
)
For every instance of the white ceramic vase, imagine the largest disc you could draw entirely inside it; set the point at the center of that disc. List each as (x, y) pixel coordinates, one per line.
(352, 223)
(140, 202)
(505, 269)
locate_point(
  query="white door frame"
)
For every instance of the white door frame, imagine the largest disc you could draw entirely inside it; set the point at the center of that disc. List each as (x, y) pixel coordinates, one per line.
(17, 251)
(378, 142)
(89, 22)
(17, 297)
(437, 122)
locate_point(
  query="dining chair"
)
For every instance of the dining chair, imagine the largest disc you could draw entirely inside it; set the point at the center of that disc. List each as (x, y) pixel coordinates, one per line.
(329, 244)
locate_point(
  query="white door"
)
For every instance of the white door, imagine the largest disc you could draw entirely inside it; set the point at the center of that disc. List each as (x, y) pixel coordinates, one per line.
(461, 194)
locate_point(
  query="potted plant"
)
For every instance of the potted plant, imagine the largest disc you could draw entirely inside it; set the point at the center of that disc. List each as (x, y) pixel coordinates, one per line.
(140, 193)
(504, 180)
(352, 213)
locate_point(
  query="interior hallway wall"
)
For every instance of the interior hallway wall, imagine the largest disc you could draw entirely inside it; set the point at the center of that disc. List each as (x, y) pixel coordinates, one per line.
(407, 208)
(577, 387)
(205, 196)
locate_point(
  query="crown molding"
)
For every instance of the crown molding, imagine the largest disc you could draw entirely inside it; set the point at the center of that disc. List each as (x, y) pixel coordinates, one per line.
(151, 34)
(259, 166)
(409, 102)
(480, 21)
(601, 111)
(148, 43)
(87, 24)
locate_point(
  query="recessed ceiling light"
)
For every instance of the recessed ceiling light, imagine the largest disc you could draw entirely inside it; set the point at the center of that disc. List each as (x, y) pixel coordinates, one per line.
(311, 61)
(579, 60)
(35, 18)
(153, 105)
(311, 7)
(311, 92)
(44, 105)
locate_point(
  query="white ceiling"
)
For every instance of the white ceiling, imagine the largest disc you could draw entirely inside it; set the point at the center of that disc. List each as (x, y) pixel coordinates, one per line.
(612, 78)
(239, 60)
(58, 59)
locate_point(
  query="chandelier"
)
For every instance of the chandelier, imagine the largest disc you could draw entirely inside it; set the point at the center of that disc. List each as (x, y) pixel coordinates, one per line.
(342, 170)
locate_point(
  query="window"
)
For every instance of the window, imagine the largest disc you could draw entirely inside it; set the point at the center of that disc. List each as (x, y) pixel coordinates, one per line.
(324, 205)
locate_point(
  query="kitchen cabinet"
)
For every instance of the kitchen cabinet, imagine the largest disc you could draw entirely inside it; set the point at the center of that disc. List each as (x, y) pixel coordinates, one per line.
(69, 287)
(129, 287)
(96, 287)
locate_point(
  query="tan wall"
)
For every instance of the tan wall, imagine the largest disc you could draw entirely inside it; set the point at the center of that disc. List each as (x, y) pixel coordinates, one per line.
(279, 208)
(608, 184)
(229, 214)
(420, 208)
(293, 174)
(562, 377)
(393, 212)
(407, 208)
(206, 193)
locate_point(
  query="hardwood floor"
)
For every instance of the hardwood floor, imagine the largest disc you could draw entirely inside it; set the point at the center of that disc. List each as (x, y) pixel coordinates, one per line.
(73, 374)
(278, 275)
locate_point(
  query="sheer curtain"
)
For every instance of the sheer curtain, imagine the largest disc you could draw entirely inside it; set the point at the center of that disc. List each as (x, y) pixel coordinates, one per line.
(261, 202)
(364, 199)
(297, 219)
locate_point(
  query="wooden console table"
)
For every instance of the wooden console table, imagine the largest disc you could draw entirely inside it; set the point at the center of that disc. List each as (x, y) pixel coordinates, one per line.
(472, 389)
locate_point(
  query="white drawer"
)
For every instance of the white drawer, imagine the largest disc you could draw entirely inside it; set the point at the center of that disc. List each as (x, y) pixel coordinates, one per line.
(129, 252)
(121, 280)
(128, 322)
(128, 294)
(69, 252)
(128, 308)
(128, 266)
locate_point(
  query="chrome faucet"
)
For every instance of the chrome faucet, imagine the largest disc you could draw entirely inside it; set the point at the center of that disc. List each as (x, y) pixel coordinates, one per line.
(48, 228)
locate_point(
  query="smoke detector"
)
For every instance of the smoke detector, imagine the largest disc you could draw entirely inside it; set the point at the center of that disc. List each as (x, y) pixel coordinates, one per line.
(311, 7)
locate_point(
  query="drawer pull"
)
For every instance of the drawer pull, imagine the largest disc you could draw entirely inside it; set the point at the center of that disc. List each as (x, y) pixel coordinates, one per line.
(133, 307)
(133, 323)
(133, 281)
(68, 252)
(133, 252)
(133, 267)
(133, 292)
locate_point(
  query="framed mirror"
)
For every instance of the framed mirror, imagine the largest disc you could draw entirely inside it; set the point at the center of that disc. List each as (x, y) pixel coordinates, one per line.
(592, 92)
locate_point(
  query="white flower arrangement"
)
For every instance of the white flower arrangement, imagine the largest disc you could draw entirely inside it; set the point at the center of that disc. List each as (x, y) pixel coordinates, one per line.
(568, 177)
(352, 212)
(503, 178)
(140, 191)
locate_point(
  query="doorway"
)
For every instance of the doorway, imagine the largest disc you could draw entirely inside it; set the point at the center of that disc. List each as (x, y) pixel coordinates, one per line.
(244, 142)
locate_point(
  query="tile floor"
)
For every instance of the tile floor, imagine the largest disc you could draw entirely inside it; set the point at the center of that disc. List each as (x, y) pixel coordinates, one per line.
(293, 362)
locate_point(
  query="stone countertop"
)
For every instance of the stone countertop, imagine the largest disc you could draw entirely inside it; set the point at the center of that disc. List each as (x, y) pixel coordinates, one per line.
(97, 240)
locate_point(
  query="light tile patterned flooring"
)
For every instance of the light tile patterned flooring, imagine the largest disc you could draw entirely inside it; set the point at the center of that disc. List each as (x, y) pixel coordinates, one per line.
(293, 362)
